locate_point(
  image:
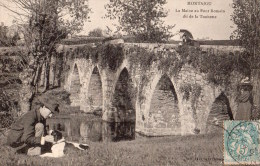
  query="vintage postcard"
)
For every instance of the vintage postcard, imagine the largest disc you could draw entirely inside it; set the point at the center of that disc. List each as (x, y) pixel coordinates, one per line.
(129, 82)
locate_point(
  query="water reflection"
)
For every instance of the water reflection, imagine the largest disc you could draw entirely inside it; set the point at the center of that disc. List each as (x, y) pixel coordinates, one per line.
(81, 130)
(118, 131)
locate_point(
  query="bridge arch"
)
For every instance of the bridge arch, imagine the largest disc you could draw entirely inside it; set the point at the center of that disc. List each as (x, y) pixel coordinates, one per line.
(75, 86)
(123, 66)
(123, 99)
(95, 91)
(220, 111)
(163, 112)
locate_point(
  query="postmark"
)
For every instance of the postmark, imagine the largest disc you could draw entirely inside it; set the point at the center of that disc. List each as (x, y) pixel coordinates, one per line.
(241, 142)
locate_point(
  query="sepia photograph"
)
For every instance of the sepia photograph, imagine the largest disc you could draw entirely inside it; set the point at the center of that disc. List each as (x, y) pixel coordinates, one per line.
(129, 82)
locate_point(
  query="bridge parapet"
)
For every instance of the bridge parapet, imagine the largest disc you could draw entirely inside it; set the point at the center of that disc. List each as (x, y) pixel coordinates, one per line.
(218, 49)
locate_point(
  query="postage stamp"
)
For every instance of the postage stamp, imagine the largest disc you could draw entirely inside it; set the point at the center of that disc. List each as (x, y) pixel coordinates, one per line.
(241, 142)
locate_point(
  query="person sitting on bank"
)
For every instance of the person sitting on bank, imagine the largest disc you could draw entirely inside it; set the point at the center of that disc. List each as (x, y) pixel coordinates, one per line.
(28, 133)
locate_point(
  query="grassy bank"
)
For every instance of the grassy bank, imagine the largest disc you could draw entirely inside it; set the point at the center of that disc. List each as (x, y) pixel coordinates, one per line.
(197, 150)
(178, 150)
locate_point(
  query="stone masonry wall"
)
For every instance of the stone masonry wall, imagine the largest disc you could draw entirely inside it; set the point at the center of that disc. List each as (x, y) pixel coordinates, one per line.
(95, 95)
(180, 113)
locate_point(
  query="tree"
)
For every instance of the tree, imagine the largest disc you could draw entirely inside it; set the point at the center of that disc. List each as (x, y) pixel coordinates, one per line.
(8, 36)
(142, 19)
(97, 32)
(44, 23)
(246, 16)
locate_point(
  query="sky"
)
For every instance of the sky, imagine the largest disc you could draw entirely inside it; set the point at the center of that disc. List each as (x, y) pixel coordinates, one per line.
(218, 28)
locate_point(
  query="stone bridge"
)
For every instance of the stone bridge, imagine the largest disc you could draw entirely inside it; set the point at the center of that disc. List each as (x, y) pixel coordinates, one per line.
(160, 102)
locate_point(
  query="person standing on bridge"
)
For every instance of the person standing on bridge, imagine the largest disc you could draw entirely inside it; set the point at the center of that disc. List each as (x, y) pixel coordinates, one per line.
(245, 101)
(27, 134)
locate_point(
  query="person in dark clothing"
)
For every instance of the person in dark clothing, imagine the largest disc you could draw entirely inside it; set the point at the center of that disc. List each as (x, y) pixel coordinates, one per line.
(245, 102)
(28, 133)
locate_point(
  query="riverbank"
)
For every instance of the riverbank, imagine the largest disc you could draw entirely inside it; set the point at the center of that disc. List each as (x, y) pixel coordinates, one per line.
(176, 150)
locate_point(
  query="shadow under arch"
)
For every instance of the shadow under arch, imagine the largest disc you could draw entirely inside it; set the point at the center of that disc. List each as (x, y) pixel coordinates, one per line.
(220, 111)
(123, 99)
(164, 111)
(75, 87)
(95, 94)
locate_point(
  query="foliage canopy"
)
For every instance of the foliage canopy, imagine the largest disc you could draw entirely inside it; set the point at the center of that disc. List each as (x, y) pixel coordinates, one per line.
(142, 19)
(97, 32)
(246, 17)
(44, 23)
